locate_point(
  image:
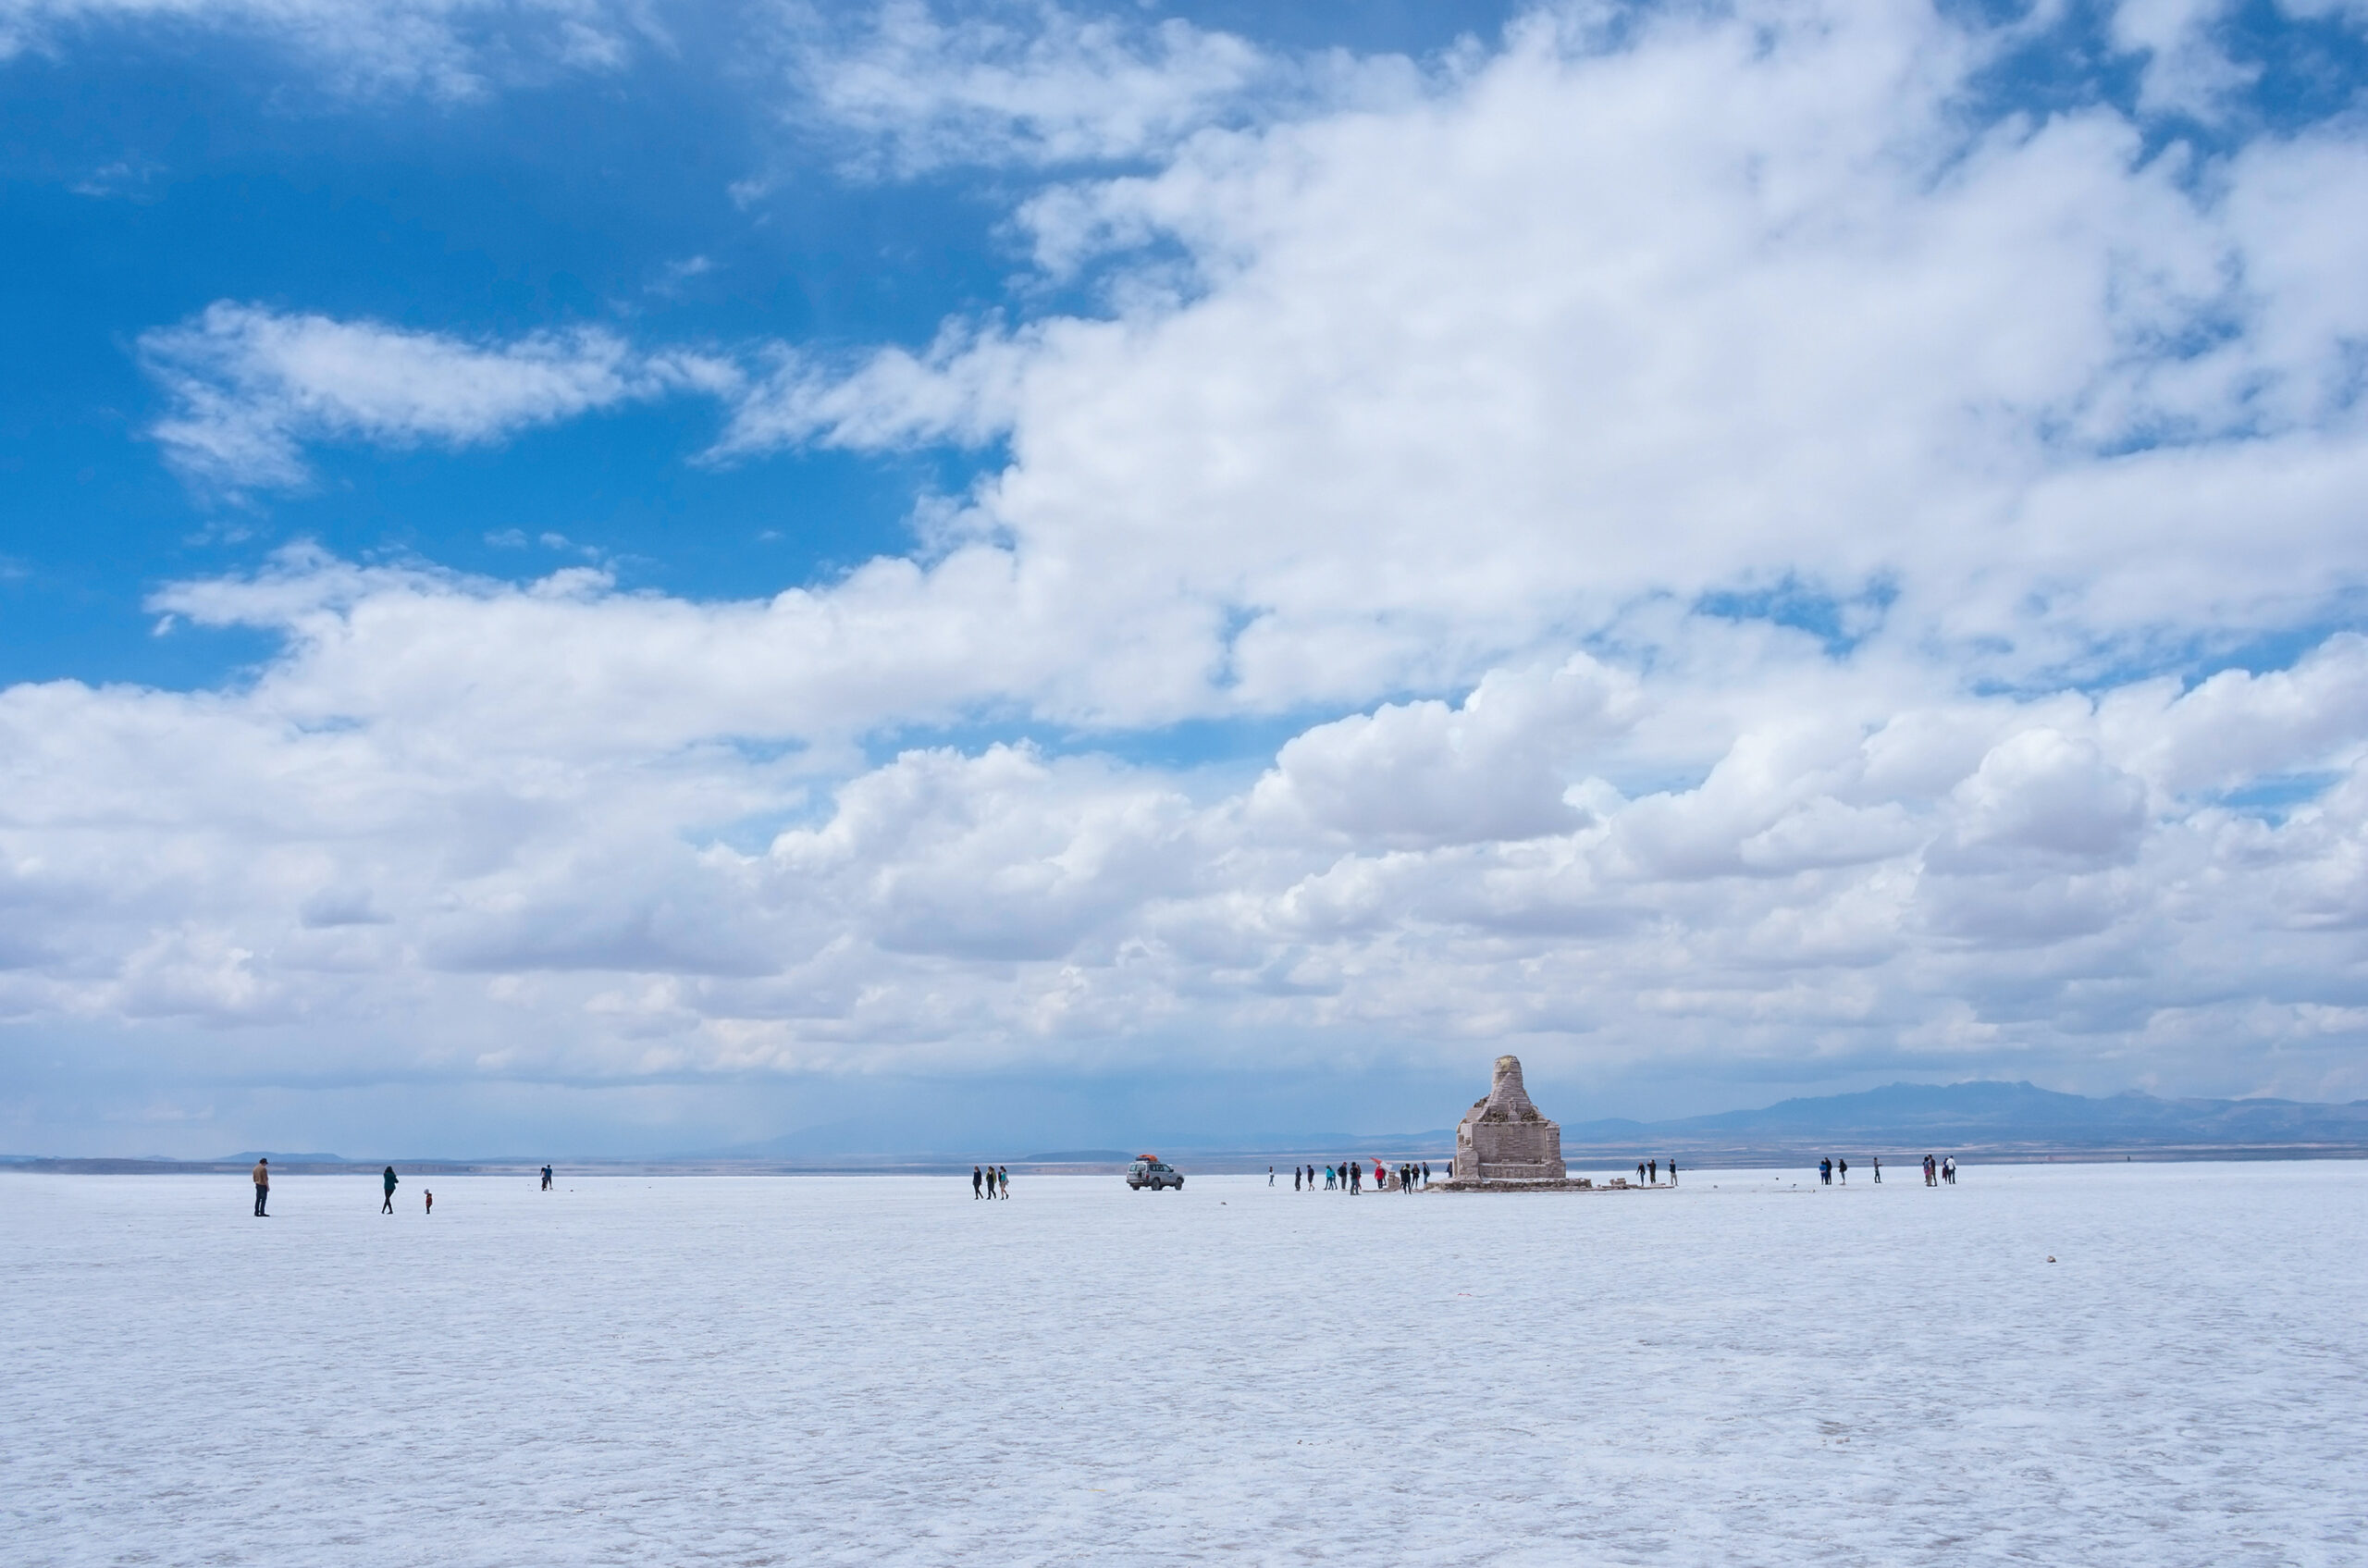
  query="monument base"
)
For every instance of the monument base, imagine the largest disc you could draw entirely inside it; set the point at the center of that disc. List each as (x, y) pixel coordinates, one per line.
(1504, 1184)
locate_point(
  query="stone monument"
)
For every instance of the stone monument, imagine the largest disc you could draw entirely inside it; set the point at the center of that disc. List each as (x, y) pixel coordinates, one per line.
(1505, 1140)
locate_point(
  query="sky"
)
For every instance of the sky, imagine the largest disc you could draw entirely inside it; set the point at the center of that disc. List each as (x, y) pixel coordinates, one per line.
(589, 578)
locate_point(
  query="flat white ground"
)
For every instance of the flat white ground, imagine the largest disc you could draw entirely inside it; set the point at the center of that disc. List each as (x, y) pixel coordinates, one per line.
(882, 1370)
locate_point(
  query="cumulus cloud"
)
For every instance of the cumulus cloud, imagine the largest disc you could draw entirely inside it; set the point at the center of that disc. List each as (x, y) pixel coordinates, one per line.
(588, 870)
(444, 48)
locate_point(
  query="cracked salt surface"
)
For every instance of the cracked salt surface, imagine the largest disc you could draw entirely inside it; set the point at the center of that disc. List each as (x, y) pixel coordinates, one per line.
(884, 1370)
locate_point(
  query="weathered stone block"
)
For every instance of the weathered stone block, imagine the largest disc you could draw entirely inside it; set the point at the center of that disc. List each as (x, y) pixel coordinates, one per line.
(1505, 1138)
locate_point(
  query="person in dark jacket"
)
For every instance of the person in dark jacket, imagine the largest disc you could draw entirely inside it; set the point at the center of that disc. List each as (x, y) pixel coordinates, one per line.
(977, 1177)
(263, 1187)
(388, 1182)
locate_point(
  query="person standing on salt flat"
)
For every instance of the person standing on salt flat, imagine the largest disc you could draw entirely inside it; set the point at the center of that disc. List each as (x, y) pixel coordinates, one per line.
(388, 1180)
(1270, 1175)
(1825, 1173)
(1949, 1170)
(1672, 1170)
(1003, 1176)
(1652, 1173)
(977, 1177)
(1841, 1170)
(263, 1187)
(547, 1179)
(1640, 1171)
(431, 1202)
(1879, 1170)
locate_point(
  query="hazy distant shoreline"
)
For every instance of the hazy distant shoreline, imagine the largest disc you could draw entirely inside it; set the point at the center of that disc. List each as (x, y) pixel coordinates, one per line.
(1980, 1121)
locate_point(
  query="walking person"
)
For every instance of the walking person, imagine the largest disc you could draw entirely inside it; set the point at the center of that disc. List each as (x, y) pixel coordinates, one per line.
(547, 1179)
(1879, 1170)
(1640, 1173)
(1002, 1180)
(1270, 1175)
(263, 1187)
(388, 1180)
(431, 1202)
(1927, 1172)
(978, 1178)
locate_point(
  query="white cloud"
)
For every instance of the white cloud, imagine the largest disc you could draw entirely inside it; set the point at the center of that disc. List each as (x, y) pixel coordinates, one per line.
(546, 851)
(444, 48)
(959, 390)
(1023, 84)
(1487, 435)
(250, 387)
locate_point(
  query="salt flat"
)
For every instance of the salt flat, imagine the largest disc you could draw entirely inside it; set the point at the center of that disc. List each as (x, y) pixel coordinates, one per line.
(873, 1370)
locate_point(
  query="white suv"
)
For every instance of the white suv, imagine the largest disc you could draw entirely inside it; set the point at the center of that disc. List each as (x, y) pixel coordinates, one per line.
(1150, 1170)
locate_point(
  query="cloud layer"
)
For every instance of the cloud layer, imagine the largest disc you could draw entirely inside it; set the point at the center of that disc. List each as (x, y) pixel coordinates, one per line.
(1766, 560)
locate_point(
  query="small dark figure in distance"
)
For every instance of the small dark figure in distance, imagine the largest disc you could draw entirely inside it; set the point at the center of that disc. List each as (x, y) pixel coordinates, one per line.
(1879, 1170)
(263, 1187)
(978, 1178)
(388, 1182)
(1673, 1171)
(1640, 1171)
(1270, 1175)
(1825, 1173)
(1841, 1170)
(1427, 1173)
(431, 1201)
(547, 1179)
(1653, 1172)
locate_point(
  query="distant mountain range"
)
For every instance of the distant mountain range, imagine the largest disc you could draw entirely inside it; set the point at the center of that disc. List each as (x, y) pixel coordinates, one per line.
(1979, 1118)
(1997, 1117)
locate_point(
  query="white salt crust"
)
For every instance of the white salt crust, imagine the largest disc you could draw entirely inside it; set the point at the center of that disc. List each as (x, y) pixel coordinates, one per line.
(767, 1370)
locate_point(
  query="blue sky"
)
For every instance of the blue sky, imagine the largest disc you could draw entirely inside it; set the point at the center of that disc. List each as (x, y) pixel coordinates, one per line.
(647, 577)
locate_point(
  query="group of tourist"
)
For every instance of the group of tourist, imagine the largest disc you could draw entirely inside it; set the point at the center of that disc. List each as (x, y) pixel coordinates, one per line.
(1349, 1176)
(994, 1180)
(387, 1182)
(1830, 1170)
(1649, 1172)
